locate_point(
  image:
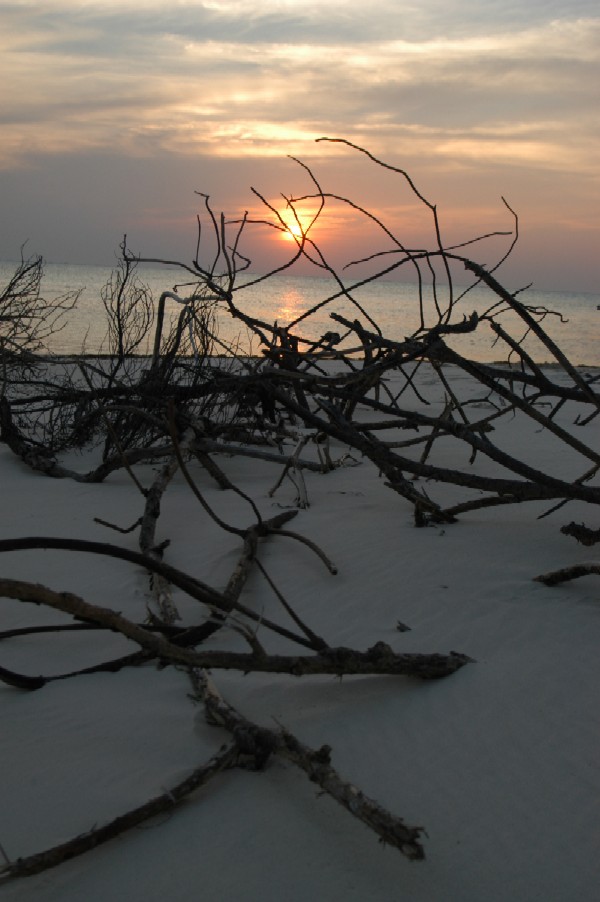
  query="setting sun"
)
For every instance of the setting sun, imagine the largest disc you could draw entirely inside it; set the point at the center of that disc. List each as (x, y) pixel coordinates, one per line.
(293, 231)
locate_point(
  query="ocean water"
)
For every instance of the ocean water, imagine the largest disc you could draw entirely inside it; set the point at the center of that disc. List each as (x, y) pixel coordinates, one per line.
(285, 298)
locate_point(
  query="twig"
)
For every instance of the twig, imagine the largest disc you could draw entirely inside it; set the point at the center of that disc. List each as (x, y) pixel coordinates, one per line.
(55, 855)
(318, 642)
(567, 573)
(313, 547)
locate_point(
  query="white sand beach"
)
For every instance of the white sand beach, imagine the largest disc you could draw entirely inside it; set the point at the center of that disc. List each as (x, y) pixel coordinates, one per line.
(498, 762)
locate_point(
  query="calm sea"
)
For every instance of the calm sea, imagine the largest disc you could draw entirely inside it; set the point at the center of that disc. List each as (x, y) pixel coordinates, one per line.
(284, 298)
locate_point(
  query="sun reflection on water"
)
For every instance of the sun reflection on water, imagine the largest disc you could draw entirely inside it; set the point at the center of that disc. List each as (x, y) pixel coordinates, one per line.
(291, 304)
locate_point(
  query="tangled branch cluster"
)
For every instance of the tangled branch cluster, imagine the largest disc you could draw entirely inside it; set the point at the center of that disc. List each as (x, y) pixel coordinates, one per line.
(304, 404)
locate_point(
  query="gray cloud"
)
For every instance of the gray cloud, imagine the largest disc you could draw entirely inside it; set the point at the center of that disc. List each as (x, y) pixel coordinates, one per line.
(111, 28)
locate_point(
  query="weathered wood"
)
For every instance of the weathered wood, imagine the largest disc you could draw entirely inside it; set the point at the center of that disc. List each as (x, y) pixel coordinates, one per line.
(161, 589)
(260, 743)
(566, 574)
(194, 587)
(582, 533)
(380, 659)
(85, 842)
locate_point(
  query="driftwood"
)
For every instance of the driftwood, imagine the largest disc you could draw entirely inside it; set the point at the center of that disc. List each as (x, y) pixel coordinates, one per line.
(132, 406)
(261, 743)
(86, 842)
(380, 659)
(565, 574)
(250, 741)
(161, 589)
(191, 585)
(582, 533)
(197, 398)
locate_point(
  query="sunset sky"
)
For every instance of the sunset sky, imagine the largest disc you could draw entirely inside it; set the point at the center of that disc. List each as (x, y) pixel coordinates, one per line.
(114, 114)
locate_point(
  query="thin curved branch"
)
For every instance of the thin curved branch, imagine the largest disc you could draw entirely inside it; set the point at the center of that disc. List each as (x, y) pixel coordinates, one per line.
(192, 586)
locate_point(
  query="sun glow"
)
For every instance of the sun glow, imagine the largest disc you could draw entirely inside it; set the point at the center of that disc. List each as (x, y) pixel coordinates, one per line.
(296, 224)
(293, 231)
